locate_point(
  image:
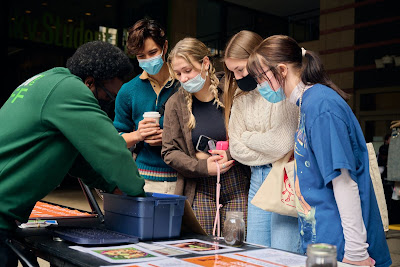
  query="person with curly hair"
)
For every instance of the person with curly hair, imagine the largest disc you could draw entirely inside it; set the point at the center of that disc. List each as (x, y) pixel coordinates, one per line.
(109, 66)
(197, 109)
(52, 124)
(147, 92)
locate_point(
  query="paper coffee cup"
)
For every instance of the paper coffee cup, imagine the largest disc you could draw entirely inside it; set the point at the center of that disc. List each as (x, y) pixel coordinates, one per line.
(153, 115)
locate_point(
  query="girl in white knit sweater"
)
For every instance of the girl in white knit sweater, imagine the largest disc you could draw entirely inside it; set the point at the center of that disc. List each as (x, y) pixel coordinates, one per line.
(259, 134)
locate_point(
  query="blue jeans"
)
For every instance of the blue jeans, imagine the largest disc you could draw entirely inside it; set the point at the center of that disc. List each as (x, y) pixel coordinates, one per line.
(268, 228)
(258, 220)
(285, 233)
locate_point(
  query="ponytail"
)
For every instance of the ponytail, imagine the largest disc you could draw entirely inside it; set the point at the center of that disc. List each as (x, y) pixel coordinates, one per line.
(313, 72)
(278, 49)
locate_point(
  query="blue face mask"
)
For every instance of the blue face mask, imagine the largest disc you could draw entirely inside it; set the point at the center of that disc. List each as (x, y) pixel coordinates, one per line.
(152, 65)
(269, 94)
(195, 84)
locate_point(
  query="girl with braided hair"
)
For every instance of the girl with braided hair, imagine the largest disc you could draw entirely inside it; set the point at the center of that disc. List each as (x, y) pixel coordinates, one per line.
(197, 109)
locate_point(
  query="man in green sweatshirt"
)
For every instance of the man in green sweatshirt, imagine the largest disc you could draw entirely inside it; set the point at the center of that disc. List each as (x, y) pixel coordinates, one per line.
(53, 119)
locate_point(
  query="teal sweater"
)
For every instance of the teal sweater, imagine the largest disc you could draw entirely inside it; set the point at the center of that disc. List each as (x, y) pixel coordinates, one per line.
(136, 97)
(46, 124)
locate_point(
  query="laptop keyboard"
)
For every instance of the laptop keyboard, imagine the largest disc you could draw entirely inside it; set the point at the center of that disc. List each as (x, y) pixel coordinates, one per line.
(93, 236)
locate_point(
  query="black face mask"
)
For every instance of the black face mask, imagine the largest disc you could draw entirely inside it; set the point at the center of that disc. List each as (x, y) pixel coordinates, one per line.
(247, 83)
(107, 106)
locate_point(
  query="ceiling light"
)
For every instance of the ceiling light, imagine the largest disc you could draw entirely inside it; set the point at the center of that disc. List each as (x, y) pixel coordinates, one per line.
(397, 61)
(387, 59)
(379, 63)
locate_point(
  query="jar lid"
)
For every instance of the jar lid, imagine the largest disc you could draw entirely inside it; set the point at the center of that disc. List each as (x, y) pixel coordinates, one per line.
(321, 249)
(236, 214)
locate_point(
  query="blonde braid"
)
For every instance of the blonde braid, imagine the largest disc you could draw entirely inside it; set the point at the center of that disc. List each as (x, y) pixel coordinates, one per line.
(214, 86)
(189, 101)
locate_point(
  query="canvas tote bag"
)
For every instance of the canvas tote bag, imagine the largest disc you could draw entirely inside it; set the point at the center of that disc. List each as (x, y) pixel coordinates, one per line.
(276, 194)
(378, 187)
(393, 162)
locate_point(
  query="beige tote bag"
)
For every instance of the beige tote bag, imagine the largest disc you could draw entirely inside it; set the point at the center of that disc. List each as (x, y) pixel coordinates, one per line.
(378, 187)
(276, 194)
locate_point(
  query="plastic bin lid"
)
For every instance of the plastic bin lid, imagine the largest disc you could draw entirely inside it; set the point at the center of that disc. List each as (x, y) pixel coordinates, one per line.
(159, 195)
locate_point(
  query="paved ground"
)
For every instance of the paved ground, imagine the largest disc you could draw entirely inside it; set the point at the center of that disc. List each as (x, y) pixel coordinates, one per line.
(393, 239)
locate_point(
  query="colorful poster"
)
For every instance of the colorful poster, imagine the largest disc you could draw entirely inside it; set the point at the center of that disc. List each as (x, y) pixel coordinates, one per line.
(43, 210)
(270, 258)
(219, 261)
(172, 262)
(166, 251)
(124, 254)
(199, 246)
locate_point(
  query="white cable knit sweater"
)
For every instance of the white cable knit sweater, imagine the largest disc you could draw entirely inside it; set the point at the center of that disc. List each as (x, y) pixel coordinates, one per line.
(261, 132)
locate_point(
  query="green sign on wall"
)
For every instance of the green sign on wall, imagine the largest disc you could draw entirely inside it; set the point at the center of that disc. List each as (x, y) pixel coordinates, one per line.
(53, 30)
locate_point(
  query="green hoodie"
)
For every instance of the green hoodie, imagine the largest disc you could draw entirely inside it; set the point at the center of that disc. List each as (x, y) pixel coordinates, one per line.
(49, 121)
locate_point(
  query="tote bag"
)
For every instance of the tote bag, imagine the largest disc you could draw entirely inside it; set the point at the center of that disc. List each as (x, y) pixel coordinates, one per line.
(276, 194)
(393, 163)
(378, 187)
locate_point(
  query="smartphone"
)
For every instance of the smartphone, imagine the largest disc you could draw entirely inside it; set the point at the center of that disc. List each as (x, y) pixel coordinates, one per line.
(203, 145)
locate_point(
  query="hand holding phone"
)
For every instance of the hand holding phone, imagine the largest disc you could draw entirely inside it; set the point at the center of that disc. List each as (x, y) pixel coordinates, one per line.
(203, 144)
(224, 164)
(211, 146)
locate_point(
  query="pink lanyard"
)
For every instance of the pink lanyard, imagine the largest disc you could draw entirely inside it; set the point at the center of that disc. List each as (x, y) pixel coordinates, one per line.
(217, 214)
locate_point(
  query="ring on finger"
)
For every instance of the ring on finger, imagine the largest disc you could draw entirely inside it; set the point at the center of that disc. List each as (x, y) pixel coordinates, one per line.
(223, 166)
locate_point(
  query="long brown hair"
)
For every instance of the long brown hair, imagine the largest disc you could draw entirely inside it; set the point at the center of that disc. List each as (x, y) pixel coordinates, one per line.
(278, 49)
(240, 46)
(192, 49)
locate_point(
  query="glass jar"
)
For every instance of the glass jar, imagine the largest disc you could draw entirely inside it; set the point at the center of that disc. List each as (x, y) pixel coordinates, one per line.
(234, 228)
(321, 255)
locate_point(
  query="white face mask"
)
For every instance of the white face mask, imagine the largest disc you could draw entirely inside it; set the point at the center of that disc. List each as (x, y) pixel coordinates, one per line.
(195, 84)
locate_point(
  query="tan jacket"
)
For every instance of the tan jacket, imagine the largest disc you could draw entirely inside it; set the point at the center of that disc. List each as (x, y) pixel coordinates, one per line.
(177, 147)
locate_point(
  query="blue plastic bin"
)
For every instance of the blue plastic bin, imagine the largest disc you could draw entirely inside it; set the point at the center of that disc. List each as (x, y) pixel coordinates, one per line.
(157, 216)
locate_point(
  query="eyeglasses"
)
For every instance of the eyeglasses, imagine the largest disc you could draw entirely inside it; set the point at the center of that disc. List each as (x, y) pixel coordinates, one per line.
(109, 94)
(262, 74)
